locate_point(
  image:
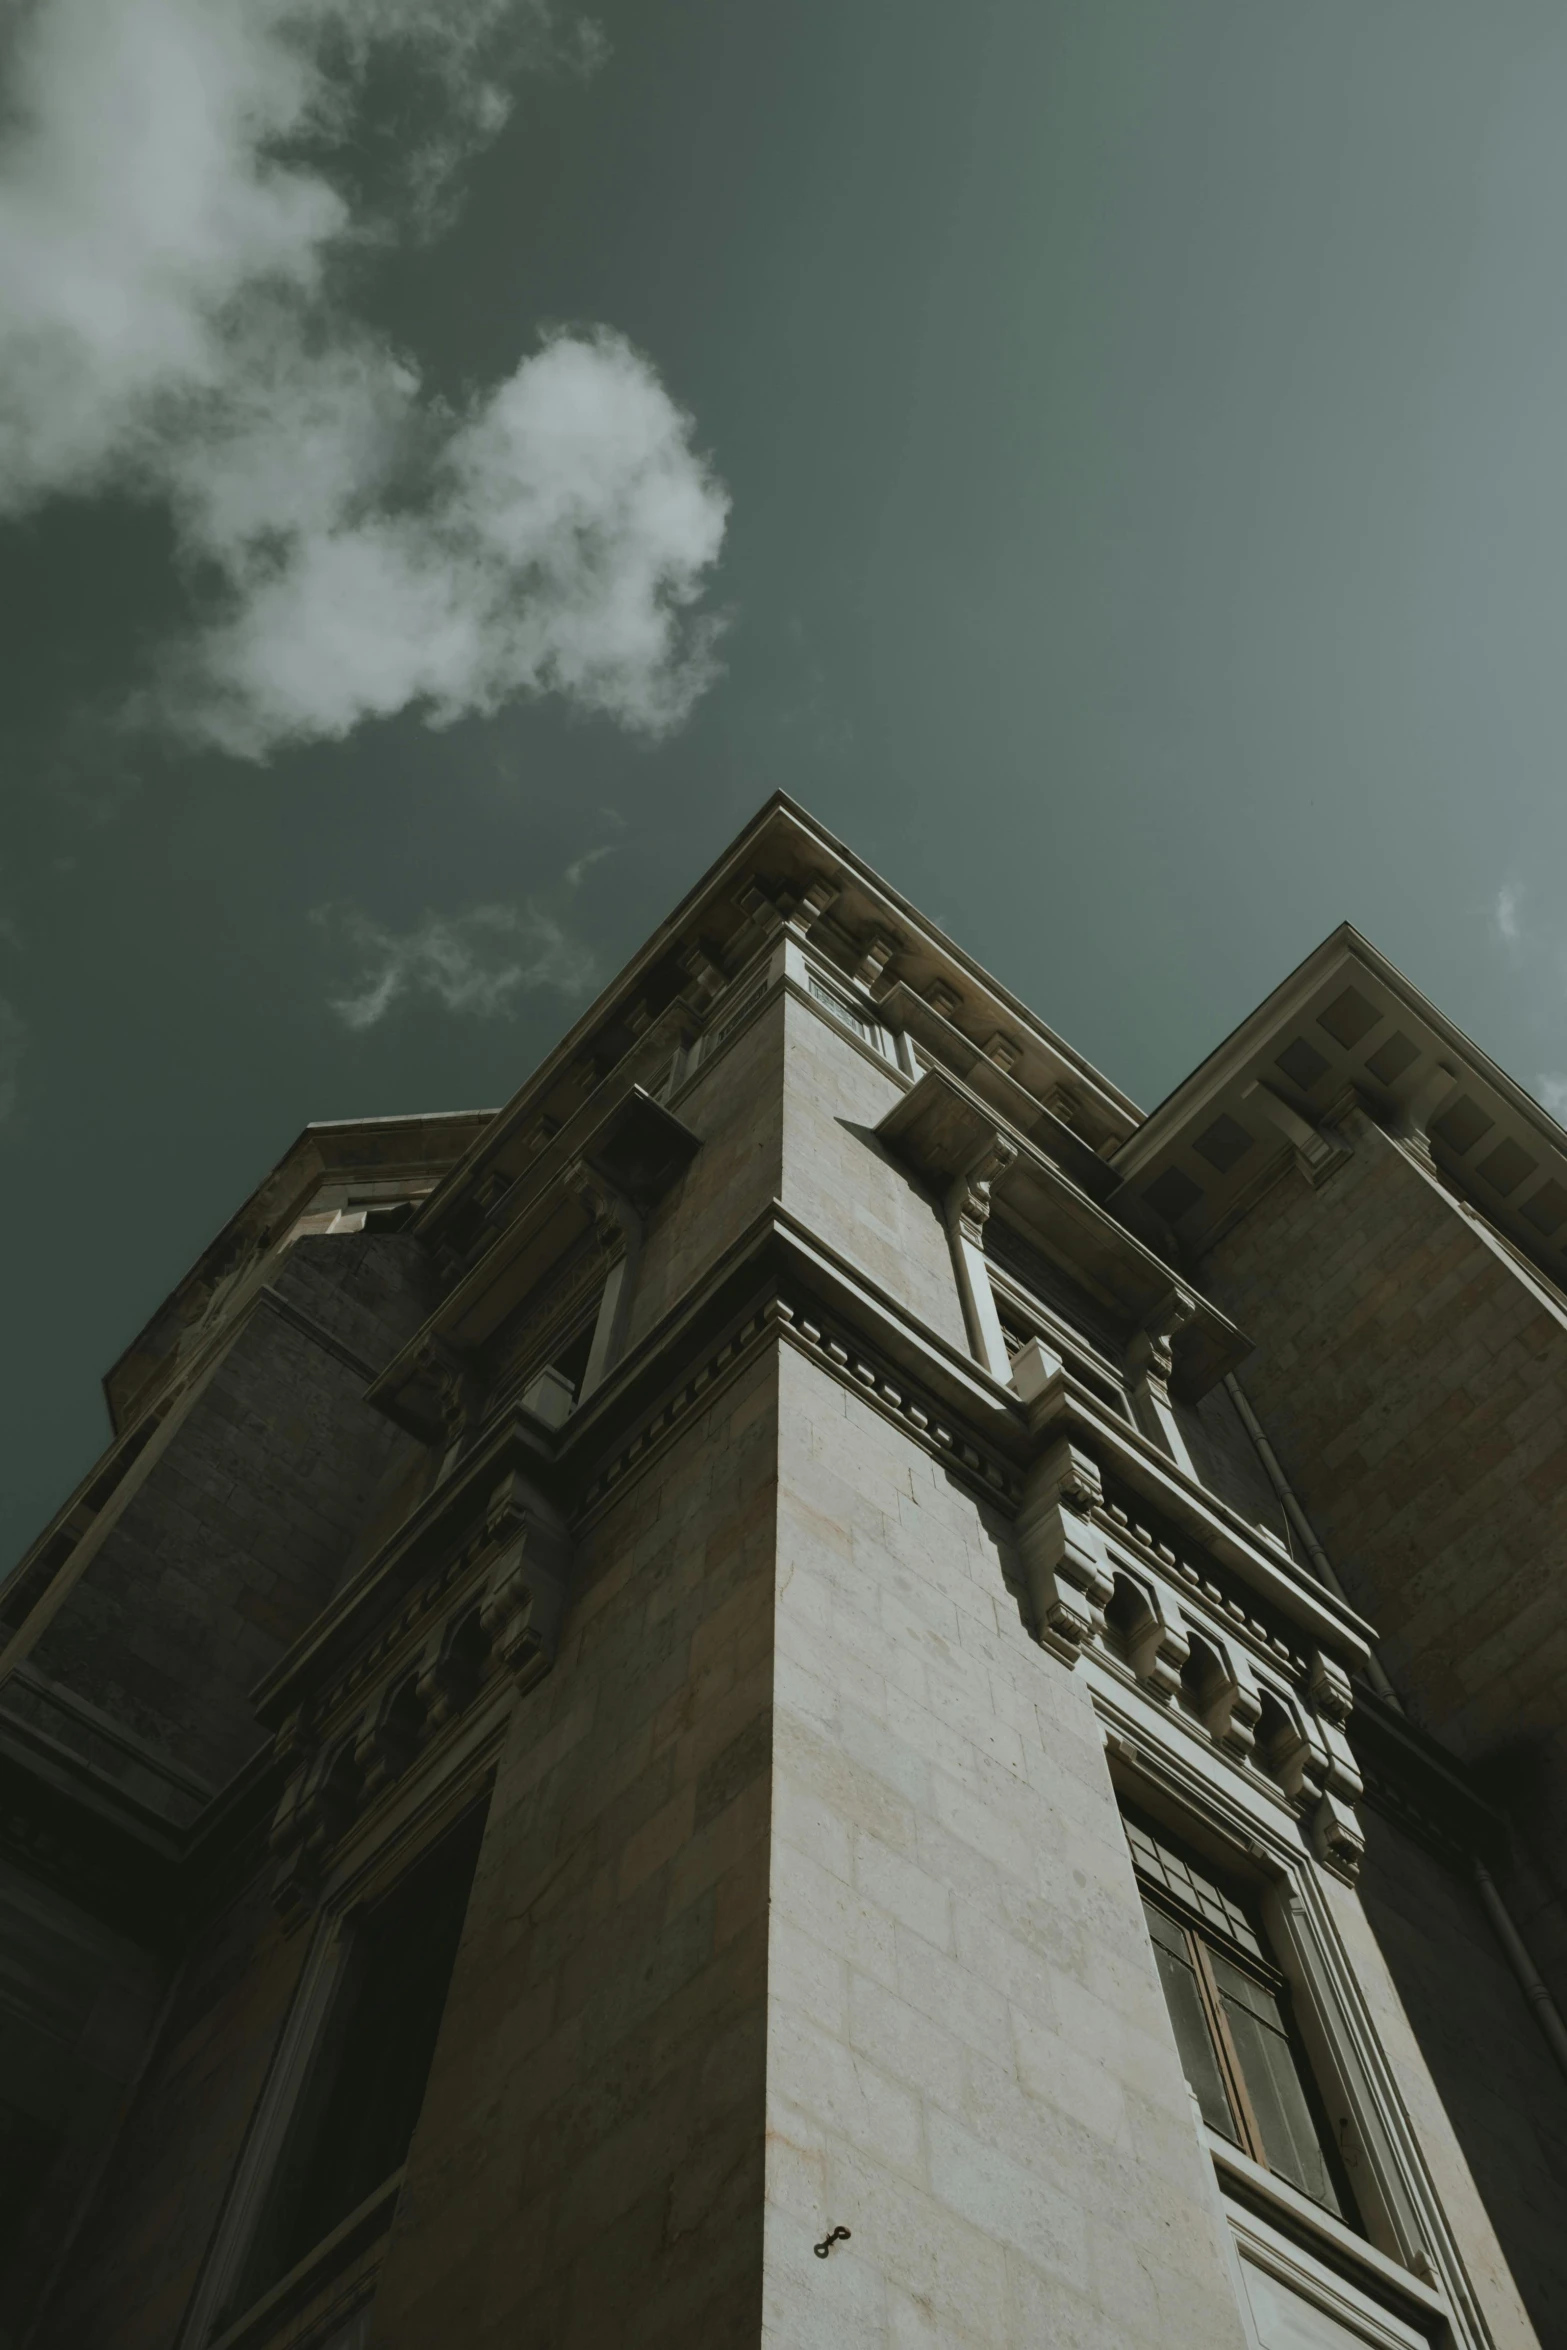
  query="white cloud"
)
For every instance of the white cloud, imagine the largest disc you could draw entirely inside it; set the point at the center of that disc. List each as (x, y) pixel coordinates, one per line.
(1552, 1093)
(580, 867)
(13, 1044)
(179, 225)
(478, 962)
(1505, 913)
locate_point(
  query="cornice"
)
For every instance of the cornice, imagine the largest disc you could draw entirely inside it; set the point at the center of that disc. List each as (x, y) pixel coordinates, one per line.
(778, 1282)
(782, 861)
(1348, 1027)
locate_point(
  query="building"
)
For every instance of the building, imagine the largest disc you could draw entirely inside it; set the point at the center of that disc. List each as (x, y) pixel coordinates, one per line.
(818, 1687)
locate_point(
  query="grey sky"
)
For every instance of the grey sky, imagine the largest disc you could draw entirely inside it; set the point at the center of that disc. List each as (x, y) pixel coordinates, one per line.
(1146, 438)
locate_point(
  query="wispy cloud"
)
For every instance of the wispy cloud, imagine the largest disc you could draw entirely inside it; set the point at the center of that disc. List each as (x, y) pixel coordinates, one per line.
(1505, 912)
(480, 962)
(1551, 1092)
(577, 871)
(185, 197)
(13, 1044)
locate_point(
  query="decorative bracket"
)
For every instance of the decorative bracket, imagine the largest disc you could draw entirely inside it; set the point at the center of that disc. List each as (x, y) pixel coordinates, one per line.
(1062, 1552)
(1150, 1363)
(876, 952)
(1317, 1155)
(967, 1208)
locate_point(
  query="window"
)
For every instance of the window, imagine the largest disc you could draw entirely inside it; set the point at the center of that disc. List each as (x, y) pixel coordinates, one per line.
(1229, 2007)
(355, 2119)
(838, 1004)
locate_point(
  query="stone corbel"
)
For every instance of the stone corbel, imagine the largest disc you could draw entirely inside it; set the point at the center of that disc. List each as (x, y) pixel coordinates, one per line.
(876, 952)
(1150, 1361)
(447, 1676)
(1317, 1155)
(388, 1735)
(815, 901)
(1318, 1771)
(1336, 1838)
(1066, 1568)
(1427, 1100)
(797, 915)
(453, 1386)
(1232, 1703)
(1333, 1696)
(525, 1596)
(317, 1805)
(1157, 1645)
(1296, 1755)
(707, 978)
(967, 1208)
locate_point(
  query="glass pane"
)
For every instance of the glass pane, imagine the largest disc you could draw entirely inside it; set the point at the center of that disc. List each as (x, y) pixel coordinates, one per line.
(1291, 2139)
(356, 2119)
(1157, 1861)
(1192, 2036)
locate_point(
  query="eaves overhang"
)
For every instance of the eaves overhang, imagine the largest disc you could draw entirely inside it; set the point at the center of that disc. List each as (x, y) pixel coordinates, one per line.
(867, 927)
(637, 1146)
(938, 1129)
(1347, 1025)
(416, 1149)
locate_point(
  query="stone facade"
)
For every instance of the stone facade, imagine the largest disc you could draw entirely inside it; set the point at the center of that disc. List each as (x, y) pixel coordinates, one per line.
(988, 1704)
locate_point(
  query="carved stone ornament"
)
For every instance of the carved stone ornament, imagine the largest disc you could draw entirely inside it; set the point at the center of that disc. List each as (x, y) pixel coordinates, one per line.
(510, 1625)
(968, 1201)
(1317, 1155)
(1156, 1642)
(1062, 1552)
(708, 979)
(876, 952)
(451, 1383)
(1151, 1354)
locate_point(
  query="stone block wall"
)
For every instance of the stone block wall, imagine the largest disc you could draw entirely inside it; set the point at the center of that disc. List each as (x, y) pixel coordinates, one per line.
(588, 2167)
(1413, 1381)
(842, 1184)
(733, 1104)
(970, 2064)
(1504, 2098)
(231, 1544)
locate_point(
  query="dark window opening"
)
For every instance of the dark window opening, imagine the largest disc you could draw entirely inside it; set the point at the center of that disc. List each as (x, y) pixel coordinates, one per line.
(1229, 2007)
(571, 1364)
(1125, 1616)
(355, 2120)
(1201, 1679)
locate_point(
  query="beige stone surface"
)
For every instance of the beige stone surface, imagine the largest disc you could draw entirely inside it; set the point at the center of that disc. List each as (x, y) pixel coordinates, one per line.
(840, 1182)
(588, 2166)
(735, 1105)
(969, 2063)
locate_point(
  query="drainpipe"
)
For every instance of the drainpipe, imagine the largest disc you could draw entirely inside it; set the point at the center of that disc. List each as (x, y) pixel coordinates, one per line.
(1530, 1981)
(1322, 1565)
(1547, 2014)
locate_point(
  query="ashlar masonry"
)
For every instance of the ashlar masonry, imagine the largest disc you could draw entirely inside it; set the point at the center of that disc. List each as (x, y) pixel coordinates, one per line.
(819, 1688)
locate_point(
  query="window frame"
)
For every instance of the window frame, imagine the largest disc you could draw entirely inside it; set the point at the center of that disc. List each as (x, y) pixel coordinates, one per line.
(362, 1882)
(1237, 1825)
(1201, 1939)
